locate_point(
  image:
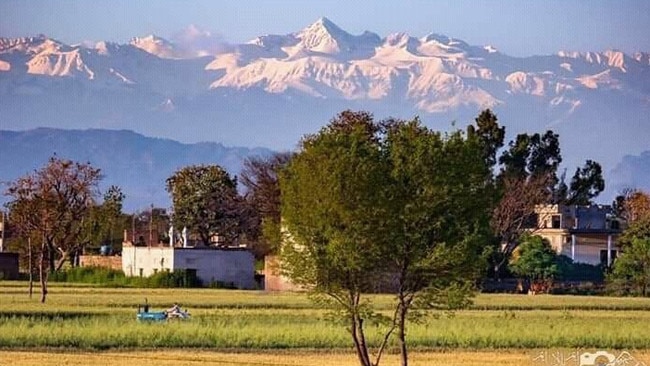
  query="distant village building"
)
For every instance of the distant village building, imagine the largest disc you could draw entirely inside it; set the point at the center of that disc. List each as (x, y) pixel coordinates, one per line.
(212, 265)
(9, 265)
(586, 234)
(273, 278)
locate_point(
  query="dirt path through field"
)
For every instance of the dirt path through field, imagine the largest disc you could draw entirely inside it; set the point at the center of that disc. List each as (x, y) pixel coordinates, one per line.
(190, 357)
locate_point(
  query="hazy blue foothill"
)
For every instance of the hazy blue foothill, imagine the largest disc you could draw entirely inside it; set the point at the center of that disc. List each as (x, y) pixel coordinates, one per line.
(136, 163)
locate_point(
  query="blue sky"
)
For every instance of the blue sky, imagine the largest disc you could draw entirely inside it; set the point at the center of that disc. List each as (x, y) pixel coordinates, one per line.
(516, 27)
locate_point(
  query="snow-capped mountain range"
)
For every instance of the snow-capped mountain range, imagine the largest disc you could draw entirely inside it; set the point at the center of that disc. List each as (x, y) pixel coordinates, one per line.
(275, 88)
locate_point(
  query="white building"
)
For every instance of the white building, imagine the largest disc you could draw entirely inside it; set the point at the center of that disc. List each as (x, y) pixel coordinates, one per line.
(228, 266)
(586, 234)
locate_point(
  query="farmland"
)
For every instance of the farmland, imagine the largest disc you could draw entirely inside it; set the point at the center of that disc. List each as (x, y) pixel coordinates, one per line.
(239, 326)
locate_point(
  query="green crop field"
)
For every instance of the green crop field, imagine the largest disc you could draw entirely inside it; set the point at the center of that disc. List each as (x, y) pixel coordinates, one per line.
(101, 321)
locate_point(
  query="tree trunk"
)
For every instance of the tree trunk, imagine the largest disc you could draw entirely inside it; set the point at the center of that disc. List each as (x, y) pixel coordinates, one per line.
(51, 258)
(359, 340)
(43, 273)
(401, 331)
(61, 262)
(31, 270)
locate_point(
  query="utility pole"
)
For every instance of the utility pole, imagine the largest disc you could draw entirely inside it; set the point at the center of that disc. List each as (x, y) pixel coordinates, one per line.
(151, 225)
(3, 226)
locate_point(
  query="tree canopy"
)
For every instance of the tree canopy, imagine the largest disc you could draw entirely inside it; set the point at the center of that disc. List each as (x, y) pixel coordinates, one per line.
(535, 261)
(205, 200)
(52, 206)
(393, 203)
(586, 184)
(631, 270)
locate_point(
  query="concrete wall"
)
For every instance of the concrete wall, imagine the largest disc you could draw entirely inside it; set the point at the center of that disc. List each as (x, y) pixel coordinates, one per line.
(223, 265)
(229, 266)
(105, 261)
(273, 281)
(588, 248)
(145, 261)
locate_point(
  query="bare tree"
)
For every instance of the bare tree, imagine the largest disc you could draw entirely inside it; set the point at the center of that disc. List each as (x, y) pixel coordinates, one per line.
(51, 204)
(260, 177)
(515, 212)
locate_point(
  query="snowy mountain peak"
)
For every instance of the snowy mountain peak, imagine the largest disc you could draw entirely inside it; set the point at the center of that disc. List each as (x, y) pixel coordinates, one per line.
(154, 45)
(324, 36)
(30, 45)
(490, 49)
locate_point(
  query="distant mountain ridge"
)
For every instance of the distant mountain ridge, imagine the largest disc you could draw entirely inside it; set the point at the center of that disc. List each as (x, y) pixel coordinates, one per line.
(273, 89)
(138, 164)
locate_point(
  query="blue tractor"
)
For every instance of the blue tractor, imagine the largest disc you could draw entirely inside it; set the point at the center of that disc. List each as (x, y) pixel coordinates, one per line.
(175, 312)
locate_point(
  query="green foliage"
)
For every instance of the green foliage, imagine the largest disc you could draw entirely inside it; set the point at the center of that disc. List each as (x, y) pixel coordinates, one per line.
(104, 221)
(537, 261)
(205, 201)
(575, 271)
(587, 183)
(631, 271)
(638, 229)
(331, 204)
(334, 207)
(532, 155)
(365, 201)
(107, 277)
(489, 134)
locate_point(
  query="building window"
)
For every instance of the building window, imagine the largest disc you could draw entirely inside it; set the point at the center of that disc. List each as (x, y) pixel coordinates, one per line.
(141, 272)
(603, 256)
(556, 221)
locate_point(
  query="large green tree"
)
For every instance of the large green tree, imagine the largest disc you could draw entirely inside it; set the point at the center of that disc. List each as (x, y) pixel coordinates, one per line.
(52, 205)
(438, 203)
(394, 203)
(331, 207)
(205, 200)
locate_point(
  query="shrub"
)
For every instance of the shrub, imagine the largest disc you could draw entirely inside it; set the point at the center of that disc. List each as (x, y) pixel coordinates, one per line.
(116, 278)
(572, 271)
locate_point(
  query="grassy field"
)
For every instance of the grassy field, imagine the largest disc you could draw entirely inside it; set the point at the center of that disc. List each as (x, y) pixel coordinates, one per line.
(229, 326)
